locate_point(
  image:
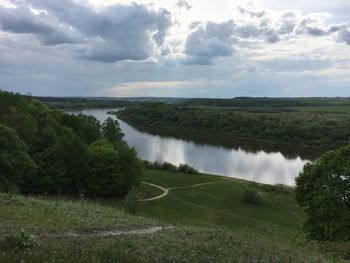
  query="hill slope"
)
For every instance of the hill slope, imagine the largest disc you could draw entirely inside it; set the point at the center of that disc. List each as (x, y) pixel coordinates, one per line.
(208, 223)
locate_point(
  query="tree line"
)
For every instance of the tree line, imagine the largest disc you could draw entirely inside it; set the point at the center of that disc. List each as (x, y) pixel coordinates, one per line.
(44, 150)
(268, 102)
(319, 130)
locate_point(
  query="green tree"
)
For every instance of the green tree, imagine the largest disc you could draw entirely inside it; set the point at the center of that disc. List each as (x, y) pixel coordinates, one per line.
(14, 160)
(62, 166)
(111, 130)
(72, 154)
(87, 127)
(104, 175)
(323, 188)
(130, 166)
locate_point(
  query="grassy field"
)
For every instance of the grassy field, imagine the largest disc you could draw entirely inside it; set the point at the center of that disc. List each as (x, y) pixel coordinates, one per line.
(209, 223)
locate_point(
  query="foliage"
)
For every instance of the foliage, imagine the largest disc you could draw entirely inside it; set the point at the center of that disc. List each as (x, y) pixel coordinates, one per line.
(304, 127)
(19, 241)
(131, 202)
(323, 188)
(14, 160)
(267, 102)
(182, 168)
(250, 196)
(85, 103)
(48, 151)
(111, 130)
(185, 168)
(130, 166)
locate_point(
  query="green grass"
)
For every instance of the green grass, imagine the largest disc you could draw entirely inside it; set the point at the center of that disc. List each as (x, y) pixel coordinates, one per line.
(148, 191)
(218, 204)
(50, 216)
(210, 222)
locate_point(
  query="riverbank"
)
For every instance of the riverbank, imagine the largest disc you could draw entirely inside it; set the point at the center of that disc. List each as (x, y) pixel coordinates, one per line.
(253, 145)
(319, 130)
(202, 219)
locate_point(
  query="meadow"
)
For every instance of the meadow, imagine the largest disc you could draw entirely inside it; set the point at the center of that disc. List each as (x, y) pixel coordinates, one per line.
(203, 216)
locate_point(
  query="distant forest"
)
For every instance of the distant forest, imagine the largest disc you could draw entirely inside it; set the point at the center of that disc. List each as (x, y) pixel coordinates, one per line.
(319, 127)
(106, 102)
(268, 102)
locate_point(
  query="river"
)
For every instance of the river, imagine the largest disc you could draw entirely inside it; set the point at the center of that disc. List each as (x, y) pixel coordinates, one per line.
(269, 167)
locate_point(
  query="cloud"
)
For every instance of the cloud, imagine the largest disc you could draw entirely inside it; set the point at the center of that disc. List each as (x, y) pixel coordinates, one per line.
(113, 33)
(22, 20)
(208, 41)
(344, 35)
(184, 4)
(150, 86)
(273, 26)
(251, 12)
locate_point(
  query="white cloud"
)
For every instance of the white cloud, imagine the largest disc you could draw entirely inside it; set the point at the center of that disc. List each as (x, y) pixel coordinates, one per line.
(184, 4)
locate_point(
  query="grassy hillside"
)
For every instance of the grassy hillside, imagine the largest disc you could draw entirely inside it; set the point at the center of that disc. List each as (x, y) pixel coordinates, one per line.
(209, 224)
(217, 203)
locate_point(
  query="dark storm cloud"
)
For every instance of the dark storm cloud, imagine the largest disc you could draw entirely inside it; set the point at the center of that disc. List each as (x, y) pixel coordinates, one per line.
(118, 32)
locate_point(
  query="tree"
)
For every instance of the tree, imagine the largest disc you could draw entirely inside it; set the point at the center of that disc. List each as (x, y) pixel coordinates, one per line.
(87, 127)
(71, 154)
(14, 160)
(61, 167)
(104, 176)
(323, 188)
(130, 167)
(111, 130)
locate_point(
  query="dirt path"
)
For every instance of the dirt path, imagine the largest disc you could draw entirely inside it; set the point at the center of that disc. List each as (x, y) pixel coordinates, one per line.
(166, 190)
(116, 232)
(191, 186)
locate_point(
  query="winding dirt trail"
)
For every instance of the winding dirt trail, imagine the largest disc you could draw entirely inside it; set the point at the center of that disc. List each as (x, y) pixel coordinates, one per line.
(116, 232)
(166, 190)
(191, 186)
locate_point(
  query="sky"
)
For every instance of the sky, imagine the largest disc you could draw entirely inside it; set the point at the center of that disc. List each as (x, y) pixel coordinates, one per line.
(175, 48)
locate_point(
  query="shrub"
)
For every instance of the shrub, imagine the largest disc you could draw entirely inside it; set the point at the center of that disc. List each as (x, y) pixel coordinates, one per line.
(185, 168)
(250, 196)
(19, 241)
(279, 188)
(131, 204)
(169, 167)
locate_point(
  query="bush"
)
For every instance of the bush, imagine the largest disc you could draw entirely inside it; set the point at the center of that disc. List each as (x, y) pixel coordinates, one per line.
(168, 167)
(19, 241)
(250, 196)
(131, 204)
(279, 188)
(185, 168)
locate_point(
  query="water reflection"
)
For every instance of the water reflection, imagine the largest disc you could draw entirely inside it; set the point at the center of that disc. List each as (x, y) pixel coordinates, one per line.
(270, 167)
